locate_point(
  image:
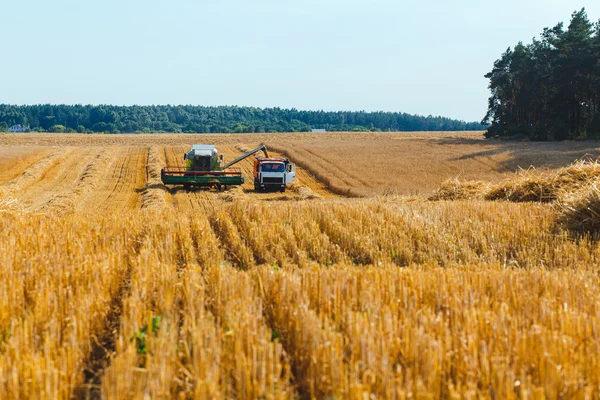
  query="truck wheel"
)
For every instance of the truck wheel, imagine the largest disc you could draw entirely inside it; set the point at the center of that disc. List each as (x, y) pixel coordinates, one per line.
(282, 190)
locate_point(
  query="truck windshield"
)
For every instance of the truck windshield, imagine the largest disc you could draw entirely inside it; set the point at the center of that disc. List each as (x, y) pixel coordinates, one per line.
(272, 167)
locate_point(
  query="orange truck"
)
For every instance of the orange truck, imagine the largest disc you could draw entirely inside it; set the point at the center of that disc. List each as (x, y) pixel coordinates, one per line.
(273, 173)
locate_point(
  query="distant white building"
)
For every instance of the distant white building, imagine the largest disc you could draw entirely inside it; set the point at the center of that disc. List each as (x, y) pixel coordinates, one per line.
(319, 130)
(17, 128)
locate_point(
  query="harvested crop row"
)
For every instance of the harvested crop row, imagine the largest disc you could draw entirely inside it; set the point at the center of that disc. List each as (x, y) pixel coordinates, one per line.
(108, 186)
(58, 180)
(14, 167)
(34, 173)
(89, 179)
(526, 185)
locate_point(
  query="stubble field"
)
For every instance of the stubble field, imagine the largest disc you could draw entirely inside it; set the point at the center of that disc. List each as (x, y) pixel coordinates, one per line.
(349, 285)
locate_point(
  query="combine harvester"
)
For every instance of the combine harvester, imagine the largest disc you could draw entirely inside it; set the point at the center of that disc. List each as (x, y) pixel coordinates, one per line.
(204, 169)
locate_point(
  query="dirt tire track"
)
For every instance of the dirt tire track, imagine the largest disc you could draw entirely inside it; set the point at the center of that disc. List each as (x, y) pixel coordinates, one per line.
(121, 183)
(108, 186)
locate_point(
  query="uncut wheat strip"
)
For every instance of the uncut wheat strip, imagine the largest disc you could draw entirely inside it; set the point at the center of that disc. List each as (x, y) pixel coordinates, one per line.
(200, 342)
(315, 349)
(310, 238)
(199, 345)
(192, 377)
(64, 304)
(370, 342)
(495, 233)
(389, 232)
(234, 247)
(371, 351)
(364, 233)
(105, 336)
(147, 353)
(387, 301)
(255, 233)
(251, 364)
(280, 239)
(205, 242)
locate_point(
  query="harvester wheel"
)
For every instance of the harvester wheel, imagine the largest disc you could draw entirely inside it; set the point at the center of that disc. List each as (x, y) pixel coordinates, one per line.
(187, 186)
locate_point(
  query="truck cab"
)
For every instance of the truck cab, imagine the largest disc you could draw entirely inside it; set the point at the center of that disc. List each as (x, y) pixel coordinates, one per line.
(273, 173)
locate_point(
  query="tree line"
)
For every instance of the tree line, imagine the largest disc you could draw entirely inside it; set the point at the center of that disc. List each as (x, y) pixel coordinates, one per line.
(548, 89)
(199, 119)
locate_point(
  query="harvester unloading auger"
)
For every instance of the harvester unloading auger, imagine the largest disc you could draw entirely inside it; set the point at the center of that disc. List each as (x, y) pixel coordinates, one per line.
(203, 168)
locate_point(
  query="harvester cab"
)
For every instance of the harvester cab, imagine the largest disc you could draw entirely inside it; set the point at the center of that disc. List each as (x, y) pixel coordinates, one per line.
(203, 157)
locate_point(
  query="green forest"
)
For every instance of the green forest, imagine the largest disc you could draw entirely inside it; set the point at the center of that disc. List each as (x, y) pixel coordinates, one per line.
(198, 119)
(548, 89)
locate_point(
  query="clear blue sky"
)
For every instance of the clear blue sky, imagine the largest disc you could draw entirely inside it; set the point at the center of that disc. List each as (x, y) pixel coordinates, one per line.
(423, 57)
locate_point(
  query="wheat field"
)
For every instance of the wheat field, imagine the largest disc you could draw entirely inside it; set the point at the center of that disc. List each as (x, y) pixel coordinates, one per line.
(117, 287)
